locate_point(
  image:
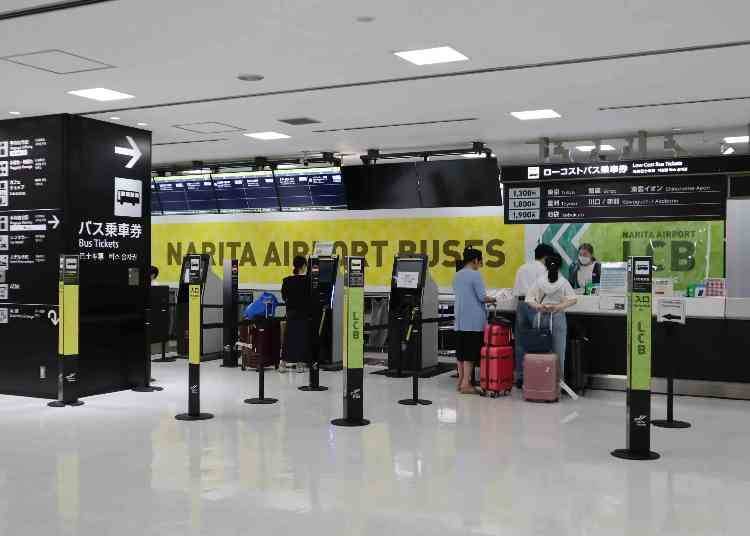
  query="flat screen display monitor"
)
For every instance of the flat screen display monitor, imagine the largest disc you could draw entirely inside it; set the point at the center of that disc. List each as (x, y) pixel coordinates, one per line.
(230, 193)
(200, 195)
(311, 189)
(459, 183)
(155, 203)
(408, 273)
(381, 186)
(327, 270)
(172, 196)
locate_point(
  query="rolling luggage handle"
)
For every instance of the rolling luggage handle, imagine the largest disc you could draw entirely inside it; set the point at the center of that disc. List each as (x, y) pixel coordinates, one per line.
(564, 386)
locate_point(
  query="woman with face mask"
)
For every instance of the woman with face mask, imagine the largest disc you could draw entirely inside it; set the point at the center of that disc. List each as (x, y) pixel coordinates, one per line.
(586, 269)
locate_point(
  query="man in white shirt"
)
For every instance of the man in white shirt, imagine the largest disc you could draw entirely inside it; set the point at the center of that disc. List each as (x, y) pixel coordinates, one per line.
(527, 275)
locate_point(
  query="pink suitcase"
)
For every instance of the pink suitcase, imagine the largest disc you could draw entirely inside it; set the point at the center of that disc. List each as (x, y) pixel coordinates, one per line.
(541, 377)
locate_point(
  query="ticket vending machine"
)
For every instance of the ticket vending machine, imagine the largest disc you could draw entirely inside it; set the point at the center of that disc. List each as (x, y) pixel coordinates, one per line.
(212, 310)
(326, 284)
(412, 342)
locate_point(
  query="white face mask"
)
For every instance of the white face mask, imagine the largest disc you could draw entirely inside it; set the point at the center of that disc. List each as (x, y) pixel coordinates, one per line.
(585, 261)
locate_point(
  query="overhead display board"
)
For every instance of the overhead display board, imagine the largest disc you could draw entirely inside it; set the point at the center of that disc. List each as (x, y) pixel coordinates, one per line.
(657, 167)
(261, 191)
(308, 189)
(645, 190)
(618, 200)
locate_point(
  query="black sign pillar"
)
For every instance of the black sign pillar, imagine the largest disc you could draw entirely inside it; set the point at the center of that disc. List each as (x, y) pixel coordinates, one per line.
(639, 362)
(231, 302)
(195, 331)
(68, 305)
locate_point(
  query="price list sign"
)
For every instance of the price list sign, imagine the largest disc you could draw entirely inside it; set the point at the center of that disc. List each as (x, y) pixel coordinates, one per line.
(618, 200)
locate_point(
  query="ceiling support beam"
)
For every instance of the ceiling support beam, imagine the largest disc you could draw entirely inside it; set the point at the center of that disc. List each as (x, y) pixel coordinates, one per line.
(643, 143)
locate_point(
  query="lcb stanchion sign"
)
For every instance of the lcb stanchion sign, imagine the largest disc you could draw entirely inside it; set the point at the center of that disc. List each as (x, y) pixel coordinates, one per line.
(639, 362)
(354, 313)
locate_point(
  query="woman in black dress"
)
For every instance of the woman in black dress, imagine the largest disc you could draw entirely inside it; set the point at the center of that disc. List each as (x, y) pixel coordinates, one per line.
(295, 290)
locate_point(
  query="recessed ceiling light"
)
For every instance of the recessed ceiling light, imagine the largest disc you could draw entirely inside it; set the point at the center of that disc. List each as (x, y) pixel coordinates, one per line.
(267, 136)
(142, 124)
(14, 113)
(100, 94)
(737, 139)
(288, 166)
(474, 155)
(431, 56)
(249, 77)
(589, 148)
(528, 115)
(114, 118)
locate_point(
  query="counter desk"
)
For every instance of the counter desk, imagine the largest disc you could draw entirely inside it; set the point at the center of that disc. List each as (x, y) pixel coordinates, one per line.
(711, 351)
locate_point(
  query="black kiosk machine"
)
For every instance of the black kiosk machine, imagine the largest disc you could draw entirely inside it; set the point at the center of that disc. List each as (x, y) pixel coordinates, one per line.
(412, 342)
(323, 272)
(211, 308)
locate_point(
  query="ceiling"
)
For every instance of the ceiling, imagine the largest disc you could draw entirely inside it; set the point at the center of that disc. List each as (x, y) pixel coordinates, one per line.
(181, 58)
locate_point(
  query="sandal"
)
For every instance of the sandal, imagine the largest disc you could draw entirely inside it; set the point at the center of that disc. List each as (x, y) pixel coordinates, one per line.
(469, 391)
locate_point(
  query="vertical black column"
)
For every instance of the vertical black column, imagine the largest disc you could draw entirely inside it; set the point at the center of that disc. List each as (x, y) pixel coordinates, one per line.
(231, 302)
(195, 332)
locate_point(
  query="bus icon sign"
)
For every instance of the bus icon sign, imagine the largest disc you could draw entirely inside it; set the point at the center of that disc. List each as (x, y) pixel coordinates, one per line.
(128, 197)
(124, 196)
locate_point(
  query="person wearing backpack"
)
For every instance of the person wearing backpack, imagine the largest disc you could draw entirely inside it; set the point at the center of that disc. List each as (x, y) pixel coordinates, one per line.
(551, 295)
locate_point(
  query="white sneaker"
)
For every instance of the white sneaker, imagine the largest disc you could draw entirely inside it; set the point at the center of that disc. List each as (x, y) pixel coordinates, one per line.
(282, 367)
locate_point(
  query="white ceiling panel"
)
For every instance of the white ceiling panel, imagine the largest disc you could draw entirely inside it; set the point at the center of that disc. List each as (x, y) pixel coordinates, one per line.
(189, 50)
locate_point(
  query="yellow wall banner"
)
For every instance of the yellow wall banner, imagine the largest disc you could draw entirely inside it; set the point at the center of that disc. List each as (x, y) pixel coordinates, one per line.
(265, 244)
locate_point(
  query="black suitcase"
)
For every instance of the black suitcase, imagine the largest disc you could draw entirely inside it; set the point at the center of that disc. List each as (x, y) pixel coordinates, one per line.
(576, 368)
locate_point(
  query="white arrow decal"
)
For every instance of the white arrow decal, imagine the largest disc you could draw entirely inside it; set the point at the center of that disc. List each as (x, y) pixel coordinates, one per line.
(54, 222)
(133, 152)
(52, 315)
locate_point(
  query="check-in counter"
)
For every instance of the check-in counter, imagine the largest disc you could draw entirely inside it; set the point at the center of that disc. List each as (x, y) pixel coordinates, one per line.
(710, 351)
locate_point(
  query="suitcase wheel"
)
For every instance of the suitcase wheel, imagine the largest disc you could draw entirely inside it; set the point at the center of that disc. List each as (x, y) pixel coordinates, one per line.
(507, 392)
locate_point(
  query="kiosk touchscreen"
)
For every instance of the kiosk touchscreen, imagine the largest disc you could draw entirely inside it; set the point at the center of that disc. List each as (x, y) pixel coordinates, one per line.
(412, 344)
(212, 336)
(325, 288)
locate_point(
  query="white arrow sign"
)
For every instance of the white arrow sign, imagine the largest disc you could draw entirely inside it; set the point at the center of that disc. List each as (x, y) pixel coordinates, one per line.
(54, 222)
(133, 152)
(52, 315)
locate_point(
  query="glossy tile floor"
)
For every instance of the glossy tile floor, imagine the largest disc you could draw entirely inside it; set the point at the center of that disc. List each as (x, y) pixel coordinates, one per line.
(121, 464)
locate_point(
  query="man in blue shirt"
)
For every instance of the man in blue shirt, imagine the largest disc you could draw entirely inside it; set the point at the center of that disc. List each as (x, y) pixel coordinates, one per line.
(471, 317)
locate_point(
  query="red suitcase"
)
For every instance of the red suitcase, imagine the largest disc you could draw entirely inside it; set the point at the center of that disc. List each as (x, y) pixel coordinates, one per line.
(497, 335)
(496, 370)
(541, 377)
